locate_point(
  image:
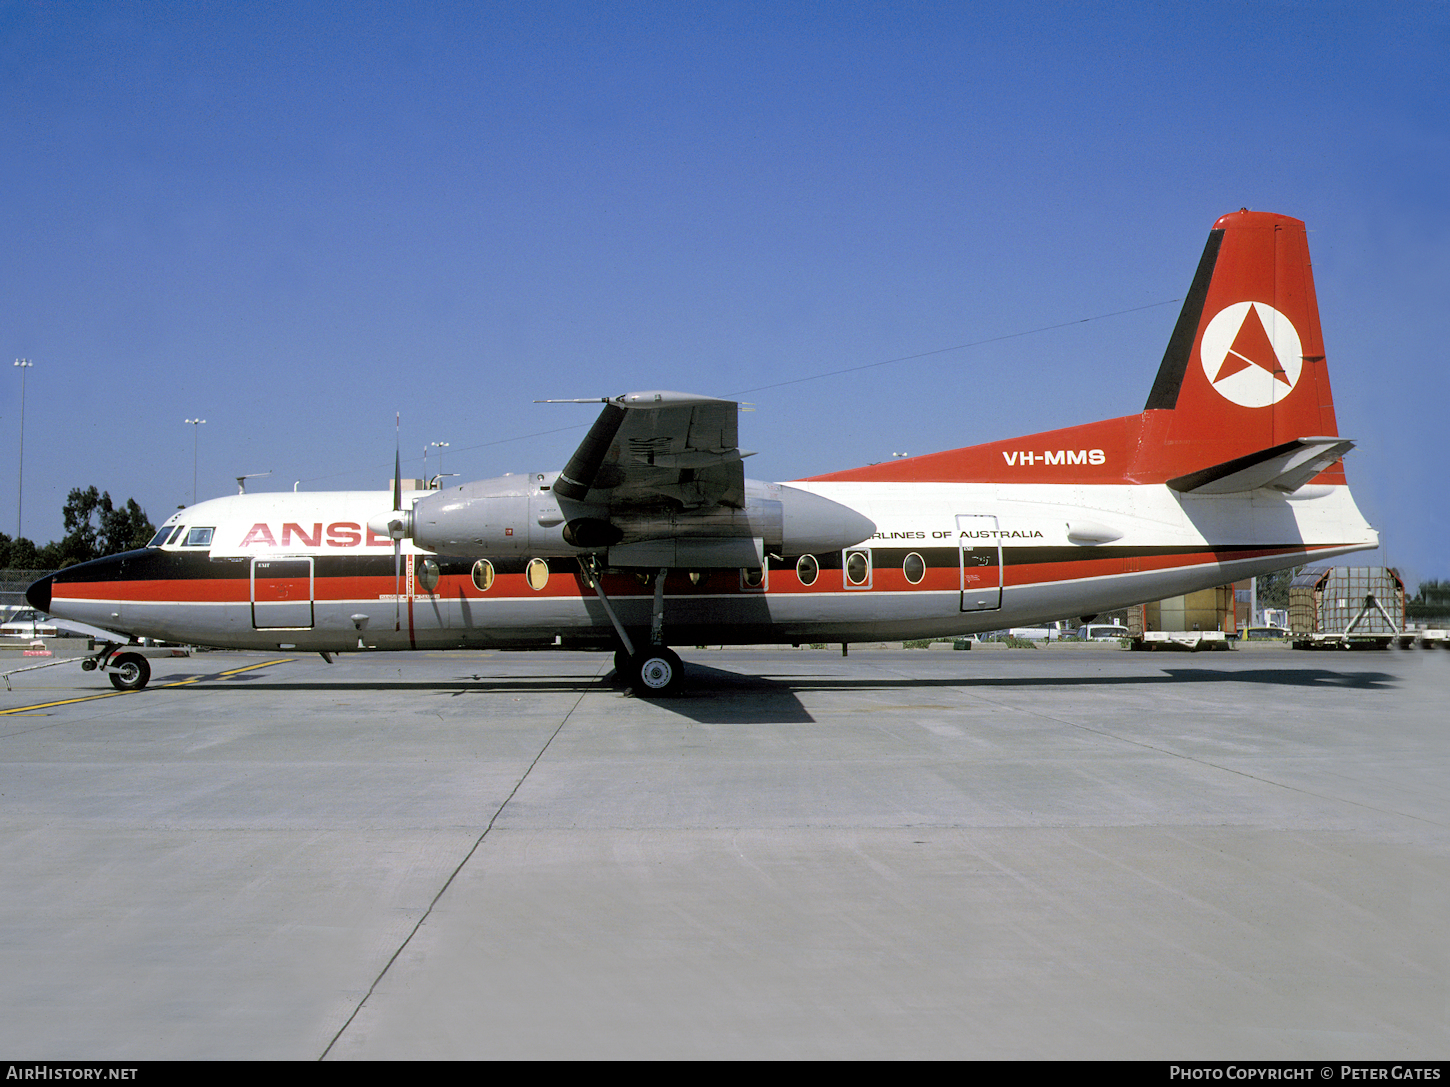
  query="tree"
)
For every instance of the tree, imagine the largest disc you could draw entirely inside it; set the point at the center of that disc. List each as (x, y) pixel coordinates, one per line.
(96, 527)
(1432, 601)
(1273, 588)
(125, 528)
(19, 554)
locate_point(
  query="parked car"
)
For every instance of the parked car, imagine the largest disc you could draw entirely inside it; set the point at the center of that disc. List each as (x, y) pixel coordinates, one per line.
(1101, 632)
(1262, 634)
(28, 623)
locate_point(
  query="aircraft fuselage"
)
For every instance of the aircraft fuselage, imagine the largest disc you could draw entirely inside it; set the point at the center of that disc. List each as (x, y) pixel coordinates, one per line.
(304, 571)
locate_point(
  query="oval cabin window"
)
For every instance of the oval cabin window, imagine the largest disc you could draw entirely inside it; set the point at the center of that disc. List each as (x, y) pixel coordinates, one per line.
(427, 575)
(914, 568)
(807, 569)
(537, 574)
(482, 575)
(858, 567)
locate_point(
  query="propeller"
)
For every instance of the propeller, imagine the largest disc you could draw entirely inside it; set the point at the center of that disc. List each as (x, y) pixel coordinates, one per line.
(398, 524)
(395, 526)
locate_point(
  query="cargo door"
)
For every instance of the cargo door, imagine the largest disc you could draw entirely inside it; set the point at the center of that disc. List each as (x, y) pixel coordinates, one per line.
(282, 594)
(981, 550)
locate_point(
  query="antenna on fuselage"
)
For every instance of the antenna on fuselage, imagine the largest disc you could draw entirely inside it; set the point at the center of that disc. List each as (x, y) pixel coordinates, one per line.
(242, 480)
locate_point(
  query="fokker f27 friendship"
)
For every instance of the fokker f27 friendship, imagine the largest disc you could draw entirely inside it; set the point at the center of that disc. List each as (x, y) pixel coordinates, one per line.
(651, 533)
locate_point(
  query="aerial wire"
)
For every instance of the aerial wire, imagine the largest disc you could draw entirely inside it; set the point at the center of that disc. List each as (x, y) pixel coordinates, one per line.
(958, 347)
(820, 376)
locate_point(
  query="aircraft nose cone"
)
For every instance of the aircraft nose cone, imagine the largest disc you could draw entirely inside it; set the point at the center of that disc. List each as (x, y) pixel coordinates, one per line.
(38, 595)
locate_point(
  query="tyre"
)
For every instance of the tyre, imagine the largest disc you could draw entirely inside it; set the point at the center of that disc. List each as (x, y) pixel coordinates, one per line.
(132, 672)
(657, 672)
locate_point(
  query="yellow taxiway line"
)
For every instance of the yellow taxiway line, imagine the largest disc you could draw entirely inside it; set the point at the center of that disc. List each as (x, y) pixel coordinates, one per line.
(116, 694)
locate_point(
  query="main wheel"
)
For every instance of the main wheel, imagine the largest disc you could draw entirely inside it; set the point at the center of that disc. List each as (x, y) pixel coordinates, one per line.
(132, 672)
(657, 672)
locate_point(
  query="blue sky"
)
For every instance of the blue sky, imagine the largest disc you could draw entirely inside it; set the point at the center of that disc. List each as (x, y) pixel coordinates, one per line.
(295, 220)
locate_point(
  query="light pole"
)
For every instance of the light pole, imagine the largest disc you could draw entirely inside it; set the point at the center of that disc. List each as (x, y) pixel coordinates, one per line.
(24, 364)
(195, 430)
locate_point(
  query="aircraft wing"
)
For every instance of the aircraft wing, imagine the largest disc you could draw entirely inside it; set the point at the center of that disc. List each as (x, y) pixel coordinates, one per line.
(659, 450)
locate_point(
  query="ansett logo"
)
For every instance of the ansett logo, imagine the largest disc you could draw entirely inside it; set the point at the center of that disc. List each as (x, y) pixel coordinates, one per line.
(1251, 354)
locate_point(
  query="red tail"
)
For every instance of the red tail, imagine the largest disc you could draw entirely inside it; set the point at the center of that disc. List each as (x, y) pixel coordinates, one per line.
(1244, 370)
(1242, 380)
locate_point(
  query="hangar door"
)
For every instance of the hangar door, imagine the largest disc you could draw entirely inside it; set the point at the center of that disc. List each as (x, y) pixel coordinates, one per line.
(281, 594)
(981, 562)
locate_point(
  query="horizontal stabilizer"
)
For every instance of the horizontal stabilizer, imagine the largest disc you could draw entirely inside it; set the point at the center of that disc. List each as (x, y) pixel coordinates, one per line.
(1285, 467)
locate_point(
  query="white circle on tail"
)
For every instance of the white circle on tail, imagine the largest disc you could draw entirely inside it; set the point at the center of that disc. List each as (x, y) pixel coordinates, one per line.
(1252, 354)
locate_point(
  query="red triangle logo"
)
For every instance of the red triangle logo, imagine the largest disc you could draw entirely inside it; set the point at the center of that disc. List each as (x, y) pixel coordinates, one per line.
(1251, 347)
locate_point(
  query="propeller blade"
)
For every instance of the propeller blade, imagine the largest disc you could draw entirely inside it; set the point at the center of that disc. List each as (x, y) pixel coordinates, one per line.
(397, 508)
(397, 463)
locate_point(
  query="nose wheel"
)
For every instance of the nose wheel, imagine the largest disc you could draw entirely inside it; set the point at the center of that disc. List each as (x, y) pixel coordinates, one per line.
(129, 672)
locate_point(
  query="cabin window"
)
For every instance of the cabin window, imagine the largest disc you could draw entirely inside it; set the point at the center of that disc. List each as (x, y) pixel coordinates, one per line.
(199, 537)
(914, 567)
(807, 569)
(482, 575)
(858, 569)
(537, 574)
(427, 574)
(752, 577)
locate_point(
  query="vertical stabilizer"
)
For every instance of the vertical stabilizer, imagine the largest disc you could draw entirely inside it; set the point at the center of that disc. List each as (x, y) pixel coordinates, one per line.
(1244, 370)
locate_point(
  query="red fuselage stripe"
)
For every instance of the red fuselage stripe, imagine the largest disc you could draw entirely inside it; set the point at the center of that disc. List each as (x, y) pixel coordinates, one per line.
(515, 586)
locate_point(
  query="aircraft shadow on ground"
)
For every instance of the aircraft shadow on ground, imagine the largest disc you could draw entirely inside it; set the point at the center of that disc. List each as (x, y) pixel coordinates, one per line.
(716, 696)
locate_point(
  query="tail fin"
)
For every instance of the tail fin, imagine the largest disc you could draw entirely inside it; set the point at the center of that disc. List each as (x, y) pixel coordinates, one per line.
(1244, 371)
(1241, 400)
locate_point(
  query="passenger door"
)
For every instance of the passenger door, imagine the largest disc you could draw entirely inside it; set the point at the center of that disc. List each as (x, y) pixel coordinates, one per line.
(282, 594)
(981, 549)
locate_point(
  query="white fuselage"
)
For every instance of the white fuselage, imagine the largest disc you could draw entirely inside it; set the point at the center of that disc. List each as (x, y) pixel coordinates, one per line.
(305, 571)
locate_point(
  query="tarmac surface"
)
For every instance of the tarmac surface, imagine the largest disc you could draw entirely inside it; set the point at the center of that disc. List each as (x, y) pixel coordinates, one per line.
(1067, 852)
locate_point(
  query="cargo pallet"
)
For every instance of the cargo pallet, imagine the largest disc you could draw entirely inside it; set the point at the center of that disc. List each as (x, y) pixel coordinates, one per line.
(1348, 607)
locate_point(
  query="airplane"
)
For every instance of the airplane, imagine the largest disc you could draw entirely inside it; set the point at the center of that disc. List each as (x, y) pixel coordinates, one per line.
(650, 534)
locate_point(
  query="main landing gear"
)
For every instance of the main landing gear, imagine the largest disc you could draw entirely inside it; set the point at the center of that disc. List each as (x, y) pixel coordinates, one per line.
(655, 670)
(652, 672)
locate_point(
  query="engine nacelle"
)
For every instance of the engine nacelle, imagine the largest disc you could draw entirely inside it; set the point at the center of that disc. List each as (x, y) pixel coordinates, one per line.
(523, 515)
(510, 515)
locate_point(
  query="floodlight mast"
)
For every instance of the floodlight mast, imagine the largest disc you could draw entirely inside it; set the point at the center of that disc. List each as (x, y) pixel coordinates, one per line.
(24, 364)
(195, 430)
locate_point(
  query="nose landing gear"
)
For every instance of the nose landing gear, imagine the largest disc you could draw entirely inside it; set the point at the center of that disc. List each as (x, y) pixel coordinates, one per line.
(129, 672)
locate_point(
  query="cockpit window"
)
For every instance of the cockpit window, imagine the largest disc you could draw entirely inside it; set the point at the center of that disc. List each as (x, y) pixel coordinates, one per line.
(161, 537)
(199, 537)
